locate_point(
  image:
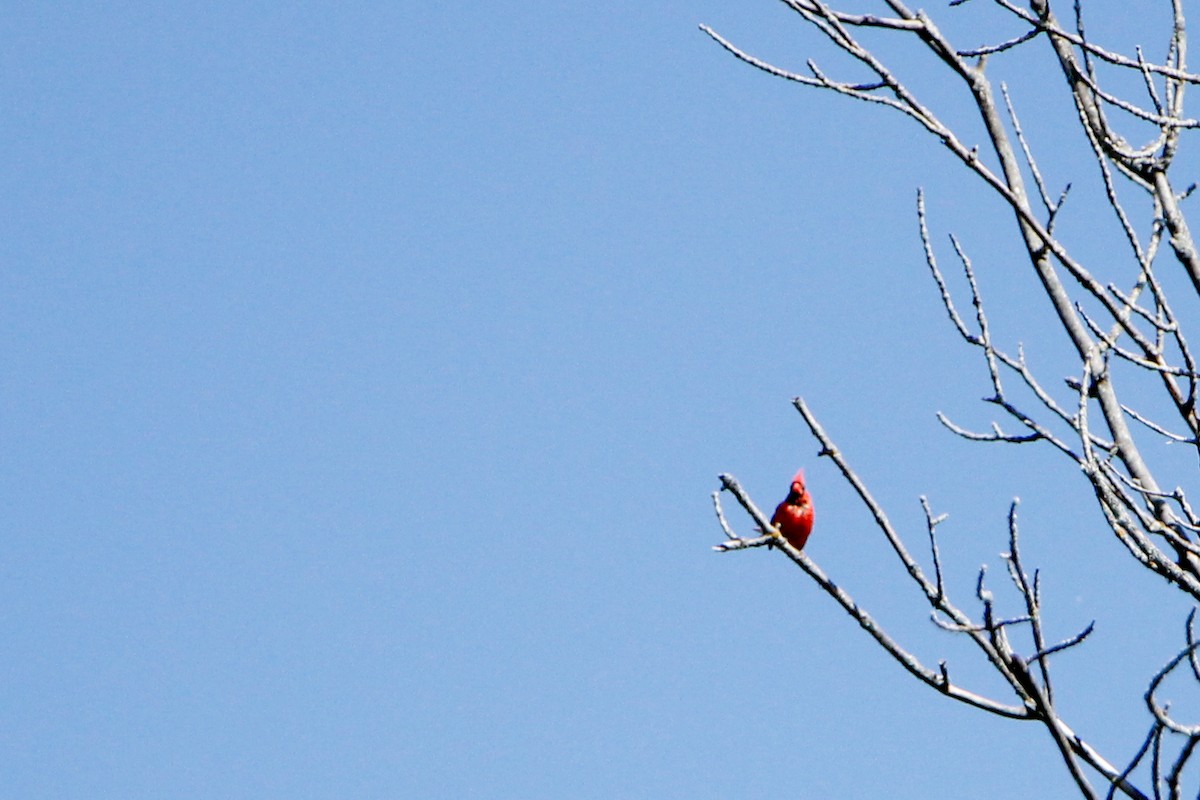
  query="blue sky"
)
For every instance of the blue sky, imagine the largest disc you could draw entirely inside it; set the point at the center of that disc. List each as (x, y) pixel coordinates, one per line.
(367, 369)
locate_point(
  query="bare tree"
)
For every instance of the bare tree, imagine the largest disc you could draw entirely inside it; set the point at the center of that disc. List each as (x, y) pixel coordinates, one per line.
(1127, 335)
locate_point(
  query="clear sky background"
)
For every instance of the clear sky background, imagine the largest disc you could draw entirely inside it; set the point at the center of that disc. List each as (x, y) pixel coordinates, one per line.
(367, 368)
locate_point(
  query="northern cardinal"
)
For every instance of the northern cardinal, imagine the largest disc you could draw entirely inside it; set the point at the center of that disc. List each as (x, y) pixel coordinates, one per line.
(794, 516)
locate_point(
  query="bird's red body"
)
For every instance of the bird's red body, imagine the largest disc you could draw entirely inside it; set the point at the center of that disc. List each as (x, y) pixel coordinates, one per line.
(794, 516)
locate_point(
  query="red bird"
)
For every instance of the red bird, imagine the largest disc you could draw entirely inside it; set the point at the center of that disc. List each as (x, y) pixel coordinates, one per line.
(794, 516)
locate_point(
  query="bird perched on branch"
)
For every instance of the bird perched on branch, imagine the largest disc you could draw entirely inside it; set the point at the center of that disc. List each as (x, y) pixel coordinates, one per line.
(794, 516)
